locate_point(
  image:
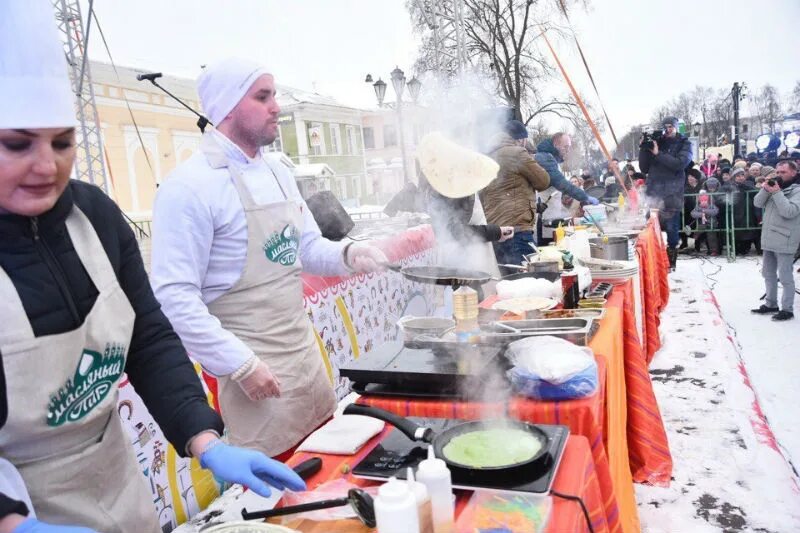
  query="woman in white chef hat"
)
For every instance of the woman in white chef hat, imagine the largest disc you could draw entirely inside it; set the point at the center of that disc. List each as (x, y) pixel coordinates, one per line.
(76, 311)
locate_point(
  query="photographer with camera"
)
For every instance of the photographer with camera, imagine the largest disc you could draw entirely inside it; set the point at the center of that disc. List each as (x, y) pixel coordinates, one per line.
(664, 158)
(780, 237)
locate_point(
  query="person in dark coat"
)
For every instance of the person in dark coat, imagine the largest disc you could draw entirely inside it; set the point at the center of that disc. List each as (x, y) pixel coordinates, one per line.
(694, 183)
(78, 316)
(665, 163)
(744, 212)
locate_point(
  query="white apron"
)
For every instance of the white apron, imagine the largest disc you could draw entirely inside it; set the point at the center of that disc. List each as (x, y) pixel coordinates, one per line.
(264, 309)
(63, 433)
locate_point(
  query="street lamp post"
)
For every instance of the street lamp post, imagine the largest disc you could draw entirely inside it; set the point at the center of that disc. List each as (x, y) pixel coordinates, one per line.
(399, 83)
(696, 133)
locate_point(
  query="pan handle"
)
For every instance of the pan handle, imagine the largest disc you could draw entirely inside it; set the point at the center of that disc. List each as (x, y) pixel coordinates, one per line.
(409, 428)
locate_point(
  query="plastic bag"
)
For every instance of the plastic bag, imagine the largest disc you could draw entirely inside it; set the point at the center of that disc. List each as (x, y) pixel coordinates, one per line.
(580, 385)
(330, 490)
(550, 358)
(525, 287)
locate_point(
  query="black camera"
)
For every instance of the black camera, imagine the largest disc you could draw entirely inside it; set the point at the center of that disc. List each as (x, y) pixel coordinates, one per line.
(772, 183)
(649, 139)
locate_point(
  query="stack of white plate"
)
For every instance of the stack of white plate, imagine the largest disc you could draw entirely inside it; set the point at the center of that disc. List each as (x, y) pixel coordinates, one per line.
(630, 268)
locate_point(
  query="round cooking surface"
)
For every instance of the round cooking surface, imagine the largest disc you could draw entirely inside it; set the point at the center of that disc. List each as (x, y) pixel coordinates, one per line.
(436, 272)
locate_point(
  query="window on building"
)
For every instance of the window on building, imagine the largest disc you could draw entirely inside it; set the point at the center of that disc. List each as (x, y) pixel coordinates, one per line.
(316, 139)
(369, 138)
(352, 139)
(336, 139)
(389, 135)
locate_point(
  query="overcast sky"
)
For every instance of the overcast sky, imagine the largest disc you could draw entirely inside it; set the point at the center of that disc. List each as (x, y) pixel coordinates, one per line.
(641, 52)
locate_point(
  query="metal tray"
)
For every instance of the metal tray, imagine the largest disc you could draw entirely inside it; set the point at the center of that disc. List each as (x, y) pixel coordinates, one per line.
(577, 330)
(595, 314)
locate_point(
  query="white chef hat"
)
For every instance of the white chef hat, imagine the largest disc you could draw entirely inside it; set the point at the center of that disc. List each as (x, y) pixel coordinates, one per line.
(223, 84)
(35, 90)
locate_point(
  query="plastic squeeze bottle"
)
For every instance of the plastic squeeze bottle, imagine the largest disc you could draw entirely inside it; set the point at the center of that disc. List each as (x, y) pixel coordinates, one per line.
(433, 473)
(559, 233)
(424, 509)
(396, 508)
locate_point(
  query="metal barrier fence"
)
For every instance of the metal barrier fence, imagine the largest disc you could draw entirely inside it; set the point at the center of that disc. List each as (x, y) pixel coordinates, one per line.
(727, 202)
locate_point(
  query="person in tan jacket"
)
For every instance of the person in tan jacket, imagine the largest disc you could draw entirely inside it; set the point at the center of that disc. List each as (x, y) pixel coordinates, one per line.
(510, 200)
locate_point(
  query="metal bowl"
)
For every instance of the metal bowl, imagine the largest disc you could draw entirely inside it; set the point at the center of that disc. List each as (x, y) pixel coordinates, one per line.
(433, 326)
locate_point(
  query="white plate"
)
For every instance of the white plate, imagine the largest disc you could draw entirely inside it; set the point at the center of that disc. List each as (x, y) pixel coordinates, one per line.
(523, 305)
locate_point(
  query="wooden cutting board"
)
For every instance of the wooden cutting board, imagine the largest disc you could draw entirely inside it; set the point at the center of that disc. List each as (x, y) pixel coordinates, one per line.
(352, 525)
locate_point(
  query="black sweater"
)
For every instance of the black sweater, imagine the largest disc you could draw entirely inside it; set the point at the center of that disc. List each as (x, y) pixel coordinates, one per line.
(58, 294)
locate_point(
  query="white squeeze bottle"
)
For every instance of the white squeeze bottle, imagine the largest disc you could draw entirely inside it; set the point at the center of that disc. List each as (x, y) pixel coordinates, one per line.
(433, 473)
(423, 499)
(396, 508)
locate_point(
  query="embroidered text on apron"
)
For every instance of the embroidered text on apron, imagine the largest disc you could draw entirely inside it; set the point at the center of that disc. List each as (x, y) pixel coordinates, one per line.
(265, 310)
(63, 433)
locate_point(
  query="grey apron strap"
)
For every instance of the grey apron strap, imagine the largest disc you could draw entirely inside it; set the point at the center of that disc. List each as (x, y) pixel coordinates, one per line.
(90, 250)
(16, 326)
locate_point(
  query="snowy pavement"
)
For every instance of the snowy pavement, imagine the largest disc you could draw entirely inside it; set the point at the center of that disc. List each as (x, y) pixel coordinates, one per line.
(725, 383)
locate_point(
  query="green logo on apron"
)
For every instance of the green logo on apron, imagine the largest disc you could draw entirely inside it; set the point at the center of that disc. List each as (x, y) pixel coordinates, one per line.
(95, 377)
(281, 247)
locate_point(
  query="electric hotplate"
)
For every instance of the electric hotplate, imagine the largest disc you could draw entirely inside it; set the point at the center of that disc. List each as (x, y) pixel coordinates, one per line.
(427, 369)
(394, 454)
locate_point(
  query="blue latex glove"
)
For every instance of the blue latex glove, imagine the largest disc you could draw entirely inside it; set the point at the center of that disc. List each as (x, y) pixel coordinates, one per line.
(593, 201)
(31, 525)
(250, 468)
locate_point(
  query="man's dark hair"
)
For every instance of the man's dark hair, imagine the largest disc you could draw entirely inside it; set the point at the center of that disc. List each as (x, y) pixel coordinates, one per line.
(790, 164)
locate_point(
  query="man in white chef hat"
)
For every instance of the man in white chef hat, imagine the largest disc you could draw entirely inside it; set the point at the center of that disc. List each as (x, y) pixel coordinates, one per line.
(76, 315)
(231, 237)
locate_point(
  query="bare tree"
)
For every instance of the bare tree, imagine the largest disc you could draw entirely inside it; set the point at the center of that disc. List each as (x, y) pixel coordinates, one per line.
(500, 40)
(765, 106)
(794, 99)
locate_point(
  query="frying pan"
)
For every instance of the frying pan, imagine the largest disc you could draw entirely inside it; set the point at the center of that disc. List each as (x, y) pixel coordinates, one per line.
(436, 275)
(505, 473)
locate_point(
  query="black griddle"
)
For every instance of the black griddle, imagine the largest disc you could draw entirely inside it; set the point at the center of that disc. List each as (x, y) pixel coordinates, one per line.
(395, 369)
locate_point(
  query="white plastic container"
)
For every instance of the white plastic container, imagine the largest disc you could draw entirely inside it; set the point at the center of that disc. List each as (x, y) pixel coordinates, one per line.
(423, 499)
(596, 212)
(434, 474)
(578, 244)
(396, 508)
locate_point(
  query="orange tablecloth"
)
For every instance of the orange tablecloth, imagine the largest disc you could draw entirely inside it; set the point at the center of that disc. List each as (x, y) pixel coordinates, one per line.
(648, 447)
(653, 266)
(576, 476)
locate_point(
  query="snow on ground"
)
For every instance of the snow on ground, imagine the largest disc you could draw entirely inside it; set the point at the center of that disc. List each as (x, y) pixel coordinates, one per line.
(771, 350)
(729, 475)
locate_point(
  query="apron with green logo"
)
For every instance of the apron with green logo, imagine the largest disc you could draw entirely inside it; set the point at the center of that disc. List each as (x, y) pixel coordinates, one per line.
(63, 433)
(265, 310)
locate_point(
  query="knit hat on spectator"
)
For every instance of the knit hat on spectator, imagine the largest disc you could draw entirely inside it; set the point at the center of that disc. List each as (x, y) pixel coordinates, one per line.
(736, 172)
(673, 121)
(766, 170)
(740, 164)
(712, 182)
(516, 130)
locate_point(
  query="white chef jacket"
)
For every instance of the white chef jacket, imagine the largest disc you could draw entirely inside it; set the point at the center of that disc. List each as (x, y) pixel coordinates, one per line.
(200, 246)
